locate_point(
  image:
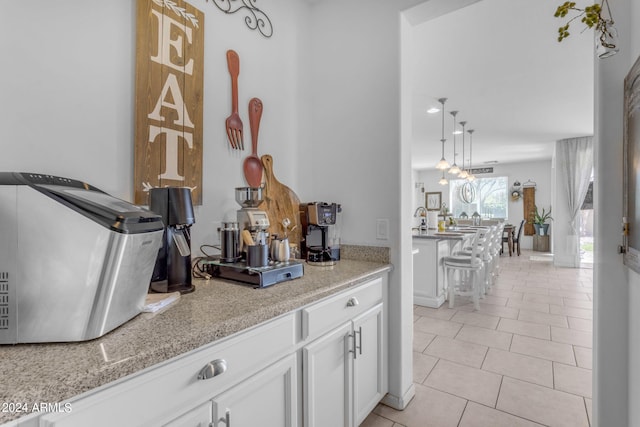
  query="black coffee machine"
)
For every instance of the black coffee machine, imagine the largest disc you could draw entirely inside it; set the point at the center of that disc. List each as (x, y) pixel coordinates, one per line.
(320, 232)
(172, 272)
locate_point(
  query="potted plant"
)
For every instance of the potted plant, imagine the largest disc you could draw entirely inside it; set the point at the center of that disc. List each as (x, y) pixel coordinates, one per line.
(540, 220)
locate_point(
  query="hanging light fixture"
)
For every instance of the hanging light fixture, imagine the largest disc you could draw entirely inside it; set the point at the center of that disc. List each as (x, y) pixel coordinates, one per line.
(463, 172)
(471, 177)
(454, 168)
(443, 180)
(442, 164)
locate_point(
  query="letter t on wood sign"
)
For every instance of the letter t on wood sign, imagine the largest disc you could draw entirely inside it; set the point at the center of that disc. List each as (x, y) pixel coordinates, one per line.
(169, 82)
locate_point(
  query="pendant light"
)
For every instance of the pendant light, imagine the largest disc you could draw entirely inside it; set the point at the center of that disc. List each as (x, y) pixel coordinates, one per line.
(442, 164)
(454, 168)
(463, 173)
(471, 177)
(443, 180)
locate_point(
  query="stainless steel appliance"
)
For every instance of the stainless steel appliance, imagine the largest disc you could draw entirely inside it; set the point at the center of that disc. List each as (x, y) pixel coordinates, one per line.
(250, 217)
(229, 242)
(321, 224)
(75, 262)
(255, 267)
(172, 272)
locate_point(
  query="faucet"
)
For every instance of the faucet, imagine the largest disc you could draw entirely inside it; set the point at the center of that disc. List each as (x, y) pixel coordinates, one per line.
(423, 211)
(420, 209)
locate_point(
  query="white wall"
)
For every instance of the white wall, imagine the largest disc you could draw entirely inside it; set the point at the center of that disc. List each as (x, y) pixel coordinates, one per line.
(353, 150)
(616, 289)
(68, 96)
(539, 172)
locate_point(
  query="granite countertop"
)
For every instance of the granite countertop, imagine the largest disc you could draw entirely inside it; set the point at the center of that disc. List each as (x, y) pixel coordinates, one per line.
(35, 373)
(434, 234)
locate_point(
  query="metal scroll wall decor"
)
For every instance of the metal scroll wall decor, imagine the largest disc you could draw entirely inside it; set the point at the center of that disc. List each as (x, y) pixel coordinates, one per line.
(169, 94)
(255, 18)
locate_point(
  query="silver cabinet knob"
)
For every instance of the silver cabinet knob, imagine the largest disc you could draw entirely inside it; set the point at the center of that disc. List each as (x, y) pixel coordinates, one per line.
(353, 301)
(213, 369)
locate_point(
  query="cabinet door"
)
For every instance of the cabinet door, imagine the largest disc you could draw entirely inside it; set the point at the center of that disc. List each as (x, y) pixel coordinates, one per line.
(327, 385)
(268, 399)
(369, 374)
(198, 417)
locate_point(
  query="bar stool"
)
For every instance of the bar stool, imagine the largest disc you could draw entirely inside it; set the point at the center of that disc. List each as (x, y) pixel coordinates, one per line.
(462, 273)
(486, 242)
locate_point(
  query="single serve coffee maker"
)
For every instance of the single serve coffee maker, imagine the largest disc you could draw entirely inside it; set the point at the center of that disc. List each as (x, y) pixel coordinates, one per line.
(321, 224)
(172, 272)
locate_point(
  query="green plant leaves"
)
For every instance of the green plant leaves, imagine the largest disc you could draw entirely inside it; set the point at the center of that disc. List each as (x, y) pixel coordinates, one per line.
(590, 16)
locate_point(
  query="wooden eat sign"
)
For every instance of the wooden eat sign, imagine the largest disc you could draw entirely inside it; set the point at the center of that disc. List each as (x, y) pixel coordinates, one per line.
(168, 112)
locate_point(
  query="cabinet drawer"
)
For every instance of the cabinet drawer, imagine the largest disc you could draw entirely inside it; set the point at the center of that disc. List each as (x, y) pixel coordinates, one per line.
(330, 313)
(161, 393)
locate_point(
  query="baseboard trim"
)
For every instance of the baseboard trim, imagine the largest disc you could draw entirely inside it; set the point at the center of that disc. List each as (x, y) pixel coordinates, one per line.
(397, 402)
(428, 301)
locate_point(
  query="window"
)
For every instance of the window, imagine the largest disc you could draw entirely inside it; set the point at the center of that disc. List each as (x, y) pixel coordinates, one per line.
(487, 196)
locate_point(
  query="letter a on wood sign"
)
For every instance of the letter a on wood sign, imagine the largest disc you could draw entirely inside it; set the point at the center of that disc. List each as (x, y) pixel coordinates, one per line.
(169, 82)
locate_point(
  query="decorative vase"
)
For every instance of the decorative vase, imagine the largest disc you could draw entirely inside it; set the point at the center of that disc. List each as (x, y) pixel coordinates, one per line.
(541, 229)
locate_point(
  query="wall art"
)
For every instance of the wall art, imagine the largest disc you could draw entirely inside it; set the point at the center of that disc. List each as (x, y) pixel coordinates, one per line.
(168, 98)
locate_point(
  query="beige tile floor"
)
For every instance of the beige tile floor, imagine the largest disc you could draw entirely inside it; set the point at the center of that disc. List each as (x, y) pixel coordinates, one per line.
(524, 359)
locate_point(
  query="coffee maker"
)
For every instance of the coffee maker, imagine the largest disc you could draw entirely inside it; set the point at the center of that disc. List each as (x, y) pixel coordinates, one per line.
(320, 232)
(172, 272)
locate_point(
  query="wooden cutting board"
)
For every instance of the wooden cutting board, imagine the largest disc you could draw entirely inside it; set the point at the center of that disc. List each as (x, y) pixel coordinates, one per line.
(280, 202)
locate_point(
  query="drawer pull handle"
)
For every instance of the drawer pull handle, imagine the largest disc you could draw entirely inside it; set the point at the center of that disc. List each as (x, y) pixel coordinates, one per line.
(353, 301)
(227, 418)
(356, 341)
(213, 369)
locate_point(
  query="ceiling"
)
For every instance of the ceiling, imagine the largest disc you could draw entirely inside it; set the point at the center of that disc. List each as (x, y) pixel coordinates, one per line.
(500, 65)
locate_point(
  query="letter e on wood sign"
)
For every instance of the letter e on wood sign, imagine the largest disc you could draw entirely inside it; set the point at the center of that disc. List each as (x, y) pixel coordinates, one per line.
(169, 84)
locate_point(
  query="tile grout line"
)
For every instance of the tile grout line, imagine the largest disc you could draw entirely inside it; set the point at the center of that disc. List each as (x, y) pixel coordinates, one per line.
(462, 413)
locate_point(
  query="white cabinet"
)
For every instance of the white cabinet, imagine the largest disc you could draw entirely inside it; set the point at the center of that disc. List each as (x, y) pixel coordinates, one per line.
(331, 355)
(327, 389)
(428, 271)
(173, 393)
(369, 381)
(268, 399)
(344, 372)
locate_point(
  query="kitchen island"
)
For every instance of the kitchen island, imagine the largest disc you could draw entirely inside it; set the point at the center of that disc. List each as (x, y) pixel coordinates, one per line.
(430, 247)
(33, 374)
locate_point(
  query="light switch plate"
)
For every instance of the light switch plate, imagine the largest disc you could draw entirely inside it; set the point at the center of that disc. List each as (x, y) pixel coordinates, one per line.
(382, 229)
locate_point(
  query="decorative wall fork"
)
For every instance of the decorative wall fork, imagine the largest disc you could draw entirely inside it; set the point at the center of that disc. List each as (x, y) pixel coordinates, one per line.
(234, 123)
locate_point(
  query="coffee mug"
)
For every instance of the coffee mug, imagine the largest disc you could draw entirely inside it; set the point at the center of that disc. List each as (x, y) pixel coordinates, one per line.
(257, 255)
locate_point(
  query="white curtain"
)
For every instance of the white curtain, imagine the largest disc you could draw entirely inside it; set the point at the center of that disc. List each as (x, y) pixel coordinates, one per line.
(576, 157)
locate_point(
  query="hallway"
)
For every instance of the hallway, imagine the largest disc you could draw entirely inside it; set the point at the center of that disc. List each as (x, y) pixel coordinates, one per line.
(524, 359)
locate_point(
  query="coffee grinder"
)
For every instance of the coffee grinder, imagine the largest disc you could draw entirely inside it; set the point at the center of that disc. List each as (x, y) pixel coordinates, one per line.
(172, 272)
(320, 232)
(250, 217)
